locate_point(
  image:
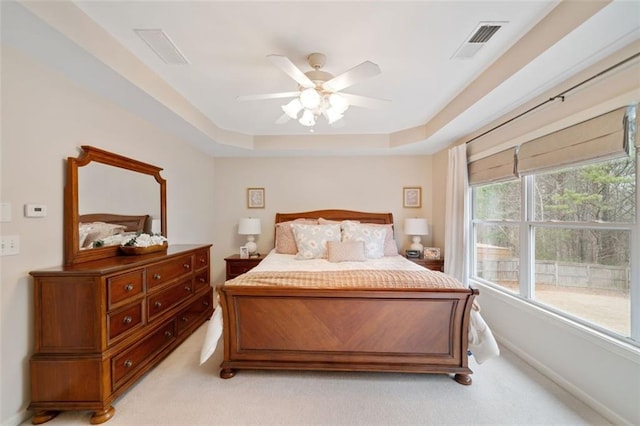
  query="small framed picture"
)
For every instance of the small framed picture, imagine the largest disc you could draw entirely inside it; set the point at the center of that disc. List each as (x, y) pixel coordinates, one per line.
(244, 252)
(255, 198)
(412, 197)
(431, 253)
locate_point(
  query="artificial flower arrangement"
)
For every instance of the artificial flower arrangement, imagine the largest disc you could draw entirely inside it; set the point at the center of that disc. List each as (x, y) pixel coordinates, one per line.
(144, 243)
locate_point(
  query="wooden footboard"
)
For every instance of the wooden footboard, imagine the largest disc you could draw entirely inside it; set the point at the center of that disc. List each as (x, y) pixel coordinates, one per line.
(397, 330)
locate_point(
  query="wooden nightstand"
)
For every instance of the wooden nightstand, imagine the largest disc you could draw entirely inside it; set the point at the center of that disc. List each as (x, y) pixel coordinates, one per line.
(237, 266)
(433, 264)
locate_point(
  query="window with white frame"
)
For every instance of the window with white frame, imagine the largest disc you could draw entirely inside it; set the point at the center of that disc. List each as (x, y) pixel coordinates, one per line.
(562, 234)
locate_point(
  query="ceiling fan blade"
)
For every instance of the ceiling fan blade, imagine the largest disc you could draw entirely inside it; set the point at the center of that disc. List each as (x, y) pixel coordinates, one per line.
(348, 78)
(268, 96)
(365, 101)
(291, 70)
(284, 118)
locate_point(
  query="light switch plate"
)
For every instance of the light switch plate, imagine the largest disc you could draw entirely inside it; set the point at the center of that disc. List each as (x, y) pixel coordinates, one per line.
(5, 212)
(9, 245)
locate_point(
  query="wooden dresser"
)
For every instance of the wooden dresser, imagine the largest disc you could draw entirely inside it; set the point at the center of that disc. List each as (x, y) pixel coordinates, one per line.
(101, 325)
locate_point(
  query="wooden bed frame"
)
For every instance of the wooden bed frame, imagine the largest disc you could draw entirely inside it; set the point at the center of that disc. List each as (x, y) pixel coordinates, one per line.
(346, 329)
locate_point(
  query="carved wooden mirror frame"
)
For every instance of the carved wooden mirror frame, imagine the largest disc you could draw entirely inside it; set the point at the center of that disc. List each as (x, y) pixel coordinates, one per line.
(72, 252)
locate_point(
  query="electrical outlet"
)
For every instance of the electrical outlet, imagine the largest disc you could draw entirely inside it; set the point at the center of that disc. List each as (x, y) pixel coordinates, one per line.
(9, 245)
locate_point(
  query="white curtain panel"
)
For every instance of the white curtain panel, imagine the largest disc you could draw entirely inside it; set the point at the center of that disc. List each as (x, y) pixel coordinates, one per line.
(456, 234)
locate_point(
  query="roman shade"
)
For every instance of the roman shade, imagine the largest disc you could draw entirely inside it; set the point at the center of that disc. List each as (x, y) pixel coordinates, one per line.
(494, 168)
(599, 138)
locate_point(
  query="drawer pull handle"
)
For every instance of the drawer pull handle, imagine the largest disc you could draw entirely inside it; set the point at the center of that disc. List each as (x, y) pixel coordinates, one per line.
(128, 287)
(202, 280)
(128, 363)
(203, 260)
(157, 304)
(185, 319)
(156, 276)
(127, 320)
(187, 288)
(168, 334)
(205, 303)
(186, 266)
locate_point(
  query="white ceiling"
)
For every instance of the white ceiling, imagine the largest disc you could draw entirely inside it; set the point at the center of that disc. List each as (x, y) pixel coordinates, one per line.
(226, 44)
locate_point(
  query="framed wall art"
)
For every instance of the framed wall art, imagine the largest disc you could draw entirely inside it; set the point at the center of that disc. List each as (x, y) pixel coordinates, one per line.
(255, 198)
(412, 197)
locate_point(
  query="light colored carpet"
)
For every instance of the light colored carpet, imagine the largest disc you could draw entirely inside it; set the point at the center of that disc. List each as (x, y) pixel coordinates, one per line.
(181, 392)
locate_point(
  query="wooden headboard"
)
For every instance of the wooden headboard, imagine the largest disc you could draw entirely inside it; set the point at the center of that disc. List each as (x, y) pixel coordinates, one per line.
(131, 223)
(363, 217)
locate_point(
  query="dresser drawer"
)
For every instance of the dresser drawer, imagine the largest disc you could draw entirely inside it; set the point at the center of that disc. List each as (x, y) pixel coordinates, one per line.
(188, 316)
(133, 359)
(202, 259)
(166, 299)
(123, 287)
(167, 271)
(202, 280)
(124, 321)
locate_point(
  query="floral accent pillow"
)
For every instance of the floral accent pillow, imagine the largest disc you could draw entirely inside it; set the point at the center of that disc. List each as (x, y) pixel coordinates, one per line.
(373, 237)
(345, 251)
(311, 240)
(285, 241)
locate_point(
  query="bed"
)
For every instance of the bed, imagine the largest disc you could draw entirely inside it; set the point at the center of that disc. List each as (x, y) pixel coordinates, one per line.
(382, 321)
(99, 229)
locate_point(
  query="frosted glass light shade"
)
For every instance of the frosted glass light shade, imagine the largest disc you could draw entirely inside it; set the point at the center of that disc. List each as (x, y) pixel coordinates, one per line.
(307, 118)
(310, 98)
(292, 108)
(338, 102)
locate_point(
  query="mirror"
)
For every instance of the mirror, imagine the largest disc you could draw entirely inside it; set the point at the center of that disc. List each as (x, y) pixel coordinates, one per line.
(106, 187)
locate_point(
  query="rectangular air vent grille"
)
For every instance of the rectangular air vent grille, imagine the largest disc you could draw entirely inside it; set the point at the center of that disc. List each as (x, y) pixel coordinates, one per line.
(162, 45)
(478, 38)
(484, 33)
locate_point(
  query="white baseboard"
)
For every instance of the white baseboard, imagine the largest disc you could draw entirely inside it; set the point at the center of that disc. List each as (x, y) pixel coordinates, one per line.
(18, 419)
(558, 379)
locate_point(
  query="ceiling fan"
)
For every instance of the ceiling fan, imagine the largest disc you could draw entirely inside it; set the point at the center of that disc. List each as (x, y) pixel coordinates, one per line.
(319, 92)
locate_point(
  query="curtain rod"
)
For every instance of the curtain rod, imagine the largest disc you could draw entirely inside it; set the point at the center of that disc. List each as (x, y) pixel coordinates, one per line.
(560, 96)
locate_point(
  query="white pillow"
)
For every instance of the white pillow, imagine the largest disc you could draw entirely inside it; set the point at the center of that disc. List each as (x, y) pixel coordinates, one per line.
(311, 240)
(373, 237)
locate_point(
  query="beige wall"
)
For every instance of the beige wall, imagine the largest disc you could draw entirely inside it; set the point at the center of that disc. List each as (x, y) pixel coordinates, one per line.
(372, 184)
(45, 118)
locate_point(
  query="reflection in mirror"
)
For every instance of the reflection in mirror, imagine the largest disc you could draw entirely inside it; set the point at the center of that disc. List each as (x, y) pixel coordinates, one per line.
(108, 189)
(108, 197)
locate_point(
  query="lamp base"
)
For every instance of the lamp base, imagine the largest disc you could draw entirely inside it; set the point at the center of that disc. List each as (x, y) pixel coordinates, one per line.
(416, 244)
(251, 246)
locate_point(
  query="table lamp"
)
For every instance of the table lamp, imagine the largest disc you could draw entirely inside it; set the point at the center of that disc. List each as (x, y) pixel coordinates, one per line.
(250, 226)
(416, 227)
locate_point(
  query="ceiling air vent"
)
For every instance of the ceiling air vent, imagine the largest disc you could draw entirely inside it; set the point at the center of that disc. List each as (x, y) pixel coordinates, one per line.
(162, 45)
(479, 37)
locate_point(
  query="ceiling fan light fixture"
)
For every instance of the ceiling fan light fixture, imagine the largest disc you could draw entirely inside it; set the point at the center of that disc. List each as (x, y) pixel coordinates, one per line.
(292, 108)
(338, 103)
(332, 115)
(310, 98)
(308, 118)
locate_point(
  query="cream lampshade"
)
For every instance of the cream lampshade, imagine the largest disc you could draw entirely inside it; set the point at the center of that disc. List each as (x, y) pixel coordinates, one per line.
(250, 226)
(416, 227)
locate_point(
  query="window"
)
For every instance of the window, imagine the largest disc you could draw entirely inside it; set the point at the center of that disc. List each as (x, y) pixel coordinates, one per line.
(568, 245)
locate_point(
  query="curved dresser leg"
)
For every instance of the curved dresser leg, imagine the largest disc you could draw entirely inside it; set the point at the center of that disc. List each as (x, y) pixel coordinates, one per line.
(463, 379)
(43, 416)
(227, 373)
(102, 415)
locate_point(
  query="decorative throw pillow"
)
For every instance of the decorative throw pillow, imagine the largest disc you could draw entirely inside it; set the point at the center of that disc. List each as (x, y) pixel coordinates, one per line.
(100, 230)
(285, 241)
(390, 245)
(345, 251)
(373, 237)
(311, 240)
